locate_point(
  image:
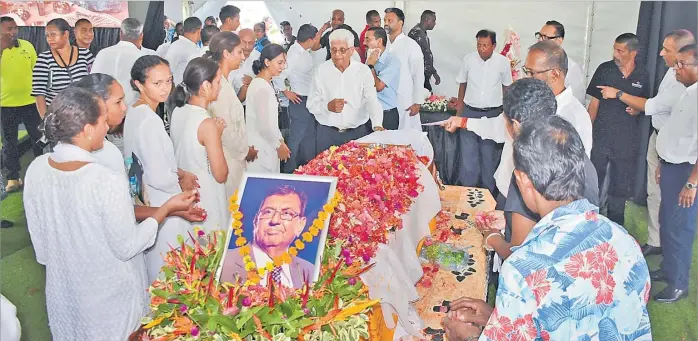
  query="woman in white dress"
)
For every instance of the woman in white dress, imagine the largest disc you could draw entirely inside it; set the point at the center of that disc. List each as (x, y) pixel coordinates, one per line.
(146, 140)
(263, 112)
(197, 138)
(226, 50)
(81, 222)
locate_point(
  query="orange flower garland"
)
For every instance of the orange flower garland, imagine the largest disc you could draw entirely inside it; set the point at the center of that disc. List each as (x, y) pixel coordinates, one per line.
(254, 274)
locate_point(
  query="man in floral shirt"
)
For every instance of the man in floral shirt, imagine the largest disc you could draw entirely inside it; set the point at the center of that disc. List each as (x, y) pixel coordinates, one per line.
(419, 34)
(578, 275)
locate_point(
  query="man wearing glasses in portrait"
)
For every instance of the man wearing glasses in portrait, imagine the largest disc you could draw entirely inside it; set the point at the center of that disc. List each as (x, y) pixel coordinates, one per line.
(281, 218)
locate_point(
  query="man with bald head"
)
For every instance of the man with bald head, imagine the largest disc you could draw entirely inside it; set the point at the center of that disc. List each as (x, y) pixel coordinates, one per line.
(241, 78)
(336, 22)
(659, 108)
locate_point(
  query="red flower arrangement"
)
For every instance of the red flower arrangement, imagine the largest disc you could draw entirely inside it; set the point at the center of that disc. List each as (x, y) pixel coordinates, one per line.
(378, 184)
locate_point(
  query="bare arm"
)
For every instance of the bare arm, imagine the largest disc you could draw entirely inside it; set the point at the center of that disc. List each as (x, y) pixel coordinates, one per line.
(637, 103)
(379, 83)
(209, 135)
(593, 108)
(461, 96)
(41, 105)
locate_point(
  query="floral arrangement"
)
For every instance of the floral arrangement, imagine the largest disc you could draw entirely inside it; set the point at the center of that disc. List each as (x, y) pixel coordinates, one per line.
(377, 183)
(189, 304)
(447, 256)
(435, 103)
(511, 50)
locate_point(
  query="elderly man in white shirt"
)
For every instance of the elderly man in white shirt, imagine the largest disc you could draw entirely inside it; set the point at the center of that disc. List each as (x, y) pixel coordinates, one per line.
(295, 83)
(554, 31)
(659, 108)
(343, 96)
(545, 61)
(410, 93)
(185, 48)
(117, 60)
(483, 76)
(677, 146)
(241, 78)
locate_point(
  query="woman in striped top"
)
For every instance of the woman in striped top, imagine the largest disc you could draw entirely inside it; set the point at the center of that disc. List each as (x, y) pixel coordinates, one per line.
(58, 67)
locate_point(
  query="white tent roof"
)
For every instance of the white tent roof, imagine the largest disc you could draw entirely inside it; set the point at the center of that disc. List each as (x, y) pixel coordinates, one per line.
(591, 27)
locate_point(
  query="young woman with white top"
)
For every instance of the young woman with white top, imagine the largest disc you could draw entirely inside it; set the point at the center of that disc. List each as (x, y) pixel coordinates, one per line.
(226, 50)
(81, 222)
(263, 112)
(147, 143)
(197, 138)
(111, 92)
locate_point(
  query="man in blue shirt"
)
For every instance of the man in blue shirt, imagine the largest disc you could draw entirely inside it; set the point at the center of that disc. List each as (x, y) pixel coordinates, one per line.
(386, 73)
(577, 275)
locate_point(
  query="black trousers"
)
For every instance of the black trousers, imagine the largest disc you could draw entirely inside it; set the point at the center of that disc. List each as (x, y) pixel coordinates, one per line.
(11, 117)
(301, 138)
(391, 119)
(331, 136)
(427, 83)
(616, 181)
(481, 156)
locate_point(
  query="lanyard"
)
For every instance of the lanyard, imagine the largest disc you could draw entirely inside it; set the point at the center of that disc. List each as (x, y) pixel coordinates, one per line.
(66, 65)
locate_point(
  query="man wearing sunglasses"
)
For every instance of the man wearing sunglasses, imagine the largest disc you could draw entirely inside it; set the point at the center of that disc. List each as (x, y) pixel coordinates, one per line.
(278, 222)
(616, 134)
(659, 108)
(677, 146)
(554, 31)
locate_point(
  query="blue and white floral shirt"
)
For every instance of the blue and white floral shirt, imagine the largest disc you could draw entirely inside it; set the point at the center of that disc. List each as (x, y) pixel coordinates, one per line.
(577, 276)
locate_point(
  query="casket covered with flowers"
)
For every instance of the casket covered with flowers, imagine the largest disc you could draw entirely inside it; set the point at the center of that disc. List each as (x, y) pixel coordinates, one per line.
(376, 185)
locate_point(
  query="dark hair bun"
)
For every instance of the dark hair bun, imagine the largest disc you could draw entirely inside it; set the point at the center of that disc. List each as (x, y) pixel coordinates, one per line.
(257, 66)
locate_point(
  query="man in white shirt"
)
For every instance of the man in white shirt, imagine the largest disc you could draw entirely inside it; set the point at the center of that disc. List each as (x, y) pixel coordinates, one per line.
(483, 76)
(230, 18)
(343, 96)
(553, 30)
(299, 75)
(240, 79)
(410, 93)
(677, 174)
(117, 60)
(659, 108)
(185, 48)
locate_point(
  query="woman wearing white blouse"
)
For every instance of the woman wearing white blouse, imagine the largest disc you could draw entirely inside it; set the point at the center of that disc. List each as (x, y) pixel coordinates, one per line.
(226, 50)
(81, 222)
(146, 139)
(263, 112)
(197, 138)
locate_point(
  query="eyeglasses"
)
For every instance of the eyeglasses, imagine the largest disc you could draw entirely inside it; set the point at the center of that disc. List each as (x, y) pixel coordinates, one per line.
(286, 215)
(530, 73)
(340, 51)
(541, 36)
(680, 64)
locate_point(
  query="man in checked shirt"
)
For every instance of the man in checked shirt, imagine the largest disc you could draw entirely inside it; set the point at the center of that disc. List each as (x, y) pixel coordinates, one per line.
(419, 34)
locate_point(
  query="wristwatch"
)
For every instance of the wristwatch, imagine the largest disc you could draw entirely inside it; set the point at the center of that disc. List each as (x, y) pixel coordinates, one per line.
(691, 185)
(619, 93)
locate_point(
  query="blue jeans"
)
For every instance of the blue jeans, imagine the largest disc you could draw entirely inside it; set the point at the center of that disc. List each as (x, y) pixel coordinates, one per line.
(677, 225)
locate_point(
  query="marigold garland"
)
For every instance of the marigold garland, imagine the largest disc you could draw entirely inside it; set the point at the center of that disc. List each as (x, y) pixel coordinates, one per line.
(254, 274)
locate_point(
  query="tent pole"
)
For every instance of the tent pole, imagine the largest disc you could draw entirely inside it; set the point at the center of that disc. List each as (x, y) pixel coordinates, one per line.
(588, 40)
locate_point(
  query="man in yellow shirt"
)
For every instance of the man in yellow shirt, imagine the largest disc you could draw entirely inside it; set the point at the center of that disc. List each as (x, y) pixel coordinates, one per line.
(17, 59)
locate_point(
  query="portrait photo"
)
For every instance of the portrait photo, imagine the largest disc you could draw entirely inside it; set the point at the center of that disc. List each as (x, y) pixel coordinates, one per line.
(277, 209)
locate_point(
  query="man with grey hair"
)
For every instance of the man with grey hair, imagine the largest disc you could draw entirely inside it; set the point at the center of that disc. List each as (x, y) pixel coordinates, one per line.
(616, 134)
(659, 108)
(342, 96)
(117, 60)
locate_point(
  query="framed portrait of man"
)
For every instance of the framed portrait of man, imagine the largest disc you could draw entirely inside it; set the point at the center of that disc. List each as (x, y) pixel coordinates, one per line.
(277, 209)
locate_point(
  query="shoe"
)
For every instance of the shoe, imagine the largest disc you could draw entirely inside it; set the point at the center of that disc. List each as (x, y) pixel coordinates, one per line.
(13, 185)
(670, 295)
(6, 224)
(648, 250)
(657, 275)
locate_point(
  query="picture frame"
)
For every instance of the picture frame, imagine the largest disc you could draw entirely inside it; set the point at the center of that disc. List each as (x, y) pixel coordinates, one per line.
(277, 209)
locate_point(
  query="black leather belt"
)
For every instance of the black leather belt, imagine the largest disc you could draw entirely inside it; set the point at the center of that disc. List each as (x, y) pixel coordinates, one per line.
(483, 109)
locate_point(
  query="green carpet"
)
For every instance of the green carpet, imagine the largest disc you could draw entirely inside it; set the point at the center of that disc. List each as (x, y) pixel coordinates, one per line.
(23, 279)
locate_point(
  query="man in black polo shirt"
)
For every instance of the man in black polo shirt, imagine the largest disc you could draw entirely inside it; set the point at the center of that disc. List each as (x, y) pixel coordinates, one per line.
(337, 22)
(617, 132)
(529, 99)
